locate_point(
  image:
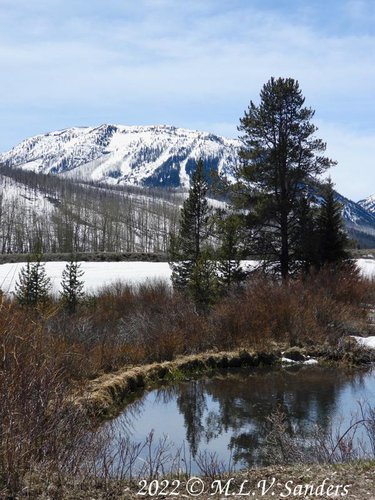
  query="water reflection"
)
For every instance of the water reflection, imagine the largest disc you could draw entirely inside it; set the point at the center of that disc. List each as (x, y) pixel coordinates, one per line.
(228, 414)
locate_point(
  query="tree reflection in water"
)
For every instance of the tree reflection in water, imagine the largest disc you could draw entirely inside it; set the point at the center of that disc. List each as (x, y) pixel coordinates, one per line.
(237, 404)
(307, 396)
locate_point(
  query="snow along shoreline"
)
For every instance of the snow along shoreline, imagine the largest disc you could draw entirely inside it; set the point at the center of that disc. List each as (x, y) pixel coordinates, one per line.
(100, 274)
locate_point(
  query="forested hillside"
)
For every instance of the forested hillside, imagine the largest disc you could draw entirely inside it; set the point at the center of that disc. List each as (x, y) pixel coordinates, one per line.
(60, 215)
(55, 214)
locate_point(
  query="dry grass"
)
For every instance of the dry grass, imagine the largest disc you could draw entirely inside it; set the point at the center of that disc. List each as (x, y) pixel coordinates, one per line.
(107, 393)
(359, 477)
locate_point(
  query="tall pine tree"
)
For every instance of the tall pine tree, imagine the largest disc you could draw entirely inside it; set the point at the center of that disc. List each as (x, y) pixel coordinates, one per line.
(279, 156)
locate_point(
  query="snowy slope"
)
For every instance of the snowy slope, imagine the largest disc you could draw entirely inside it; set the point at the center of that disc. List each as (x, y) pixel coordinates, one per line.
(145, 155)
(368, 204)
(356, 213)
(13, 192)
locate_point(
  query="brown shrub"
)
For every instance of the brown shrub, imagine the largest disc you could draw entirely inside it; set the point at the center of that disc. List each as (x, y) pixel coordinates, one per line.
(37, 430)
(321, 308)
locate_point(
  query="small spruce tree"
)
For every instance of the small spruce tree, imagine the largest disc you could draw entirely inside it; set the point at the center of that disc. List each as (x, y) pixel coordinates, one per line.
(203, 283)
(230, 233)
(332, 236)
(189, 253)
(306, 240)
(72, 285)
(33, 284)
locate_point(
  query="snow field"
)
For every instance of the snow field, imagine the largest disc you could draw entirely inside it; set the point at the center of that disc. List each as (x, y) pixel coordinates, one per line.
(367, 267)
(96, 274)
(99, 274)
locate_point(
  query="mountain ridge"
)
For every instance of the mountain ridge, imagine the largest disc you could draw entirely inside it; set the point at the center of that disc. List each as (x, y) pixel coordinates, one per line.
(150, 156)
(368, 204)
(145, 155)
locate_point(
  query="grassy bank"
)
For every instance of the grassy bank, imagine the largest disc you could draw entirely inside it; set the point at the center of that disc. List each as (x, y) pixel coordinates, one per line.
(106, 395)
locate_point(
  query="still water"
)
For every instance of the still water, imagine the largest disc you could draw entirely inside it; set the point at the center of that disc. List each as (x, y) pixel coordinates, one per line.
(228, 414)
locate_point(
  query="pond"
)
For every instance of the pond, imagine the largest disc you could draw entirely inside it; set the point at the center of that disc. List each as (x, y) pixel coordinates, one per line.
(229, 415)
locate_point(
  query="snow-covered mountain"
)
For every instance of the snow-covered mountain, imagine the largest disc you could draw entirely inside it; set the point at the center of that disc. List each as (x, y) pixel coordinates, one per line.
(160, 155)
(144, 155)
(356, 213)
(368, 204)
(359, 221)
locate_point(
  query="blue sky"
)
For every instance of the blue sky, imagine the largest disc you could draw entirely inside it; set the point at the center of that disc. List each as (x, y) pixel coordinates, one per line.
(191, 63)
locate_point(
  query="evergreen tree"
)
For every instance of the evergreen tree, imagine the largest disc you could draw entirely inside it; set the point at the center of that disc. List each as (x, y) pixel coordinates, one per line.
(279, 156)
(33, 284)
(72, 285)
(332, 236)
(230, 233)
(203, 283)
(306, 241)
(189, 250)
(186, 247)
(180, 264)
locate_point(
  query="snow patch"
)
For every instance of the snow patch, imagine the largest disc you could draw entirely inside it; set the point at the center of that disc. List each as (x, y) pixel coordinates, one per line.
(366, 267)
(309, 361)
(367, 342)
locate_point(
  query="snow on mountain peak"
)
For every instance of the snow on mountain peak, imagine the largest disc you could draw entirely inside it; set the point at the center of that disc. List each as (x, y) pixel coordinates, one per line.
(368, 204)
(150, 155)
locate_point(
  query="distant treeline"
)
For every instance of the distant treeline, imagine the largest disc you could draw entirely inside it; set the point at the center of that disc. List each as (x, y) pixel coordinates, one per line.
(58, 215)
(89, 257)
